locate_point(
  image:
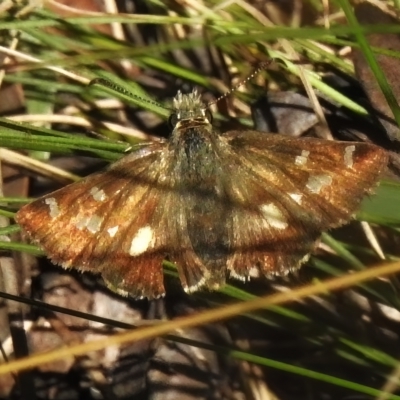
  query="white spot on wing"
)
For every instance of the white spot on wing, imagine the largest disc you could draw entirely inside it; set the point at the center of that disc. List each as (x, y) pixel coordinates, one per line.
(113, 231)
(82, 223)
(274, 216)
(348, 156)
(317, 182)
(97, 194)
(301, 160)
(142, 241)
(94, 223)
(52, 203)
(296, 197)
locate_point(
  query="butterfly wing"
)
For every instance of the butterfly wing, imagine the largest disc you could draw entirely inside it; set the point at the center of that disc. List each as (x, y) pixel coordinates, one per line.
(110, 223)
(287, 191)
(242, 202)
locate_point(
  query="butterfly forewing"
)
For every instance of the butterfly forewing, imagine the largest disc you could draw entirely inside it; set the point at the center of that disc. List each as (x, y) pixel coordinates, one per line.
(326, 179)
(238, 204)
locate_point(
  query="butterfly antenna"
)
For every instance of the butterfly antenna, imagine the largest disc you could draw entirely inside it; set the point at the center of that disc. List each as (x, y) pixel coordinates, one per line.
(113, 86)
(261, 67)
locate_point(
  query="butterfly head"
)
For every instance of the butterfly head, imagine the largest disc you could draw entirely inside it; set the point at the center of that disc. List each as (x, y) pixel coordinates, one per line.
(189, 109)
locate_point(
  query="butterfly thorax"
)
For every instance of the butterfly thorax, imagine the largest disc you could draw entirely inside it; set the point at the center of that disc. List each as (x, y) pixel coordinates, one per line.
(193, 144)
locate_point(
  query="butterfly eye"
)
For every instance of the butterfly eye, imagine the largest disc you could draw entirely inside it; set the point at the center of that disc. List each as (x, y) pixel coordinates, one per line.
(173, 120)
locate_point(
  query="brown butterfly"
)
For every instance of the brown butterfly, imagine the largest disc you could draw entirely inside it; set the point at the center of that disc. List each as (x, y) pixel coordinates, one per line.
(234, 204)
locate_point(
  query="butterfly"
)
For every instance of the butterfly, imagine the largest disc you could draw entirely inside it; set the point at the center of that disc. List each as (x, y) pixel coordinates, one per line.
(233, 204)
